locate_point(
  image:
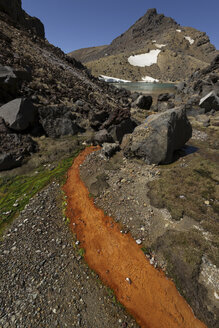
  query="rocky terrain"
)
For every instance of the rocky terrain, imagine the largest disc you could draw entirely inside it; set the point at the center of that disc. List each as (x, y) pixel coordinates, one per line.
(183, 50)
(156, 174)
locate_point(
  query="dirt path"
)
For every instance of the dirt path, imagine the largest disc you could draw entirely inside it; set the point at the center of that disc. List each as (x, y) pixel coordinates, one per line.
(147, 294)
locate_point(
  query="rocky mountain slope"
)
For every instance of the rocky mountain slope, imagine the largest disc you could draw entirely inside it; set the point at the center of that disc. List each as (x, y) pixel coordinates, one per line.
(180, 51)
(49, 105)
(50, 93)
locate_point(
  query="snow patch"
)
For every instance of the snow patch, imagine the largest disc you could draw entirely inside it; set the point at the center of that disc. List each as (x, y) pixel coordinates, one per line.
(188, 38)
(112, 79)
(143, 60)
(160, 45)
(179, 31)
(149, 79)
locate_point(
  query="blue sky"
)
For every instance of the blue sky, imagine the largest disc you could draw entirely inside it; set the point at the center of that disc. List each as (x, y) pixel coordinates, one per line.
(74, 24)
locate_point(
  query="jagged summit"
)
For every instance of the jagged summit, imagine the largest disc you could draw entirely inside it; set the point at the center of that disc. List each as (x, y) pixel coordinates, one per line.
(182, 50)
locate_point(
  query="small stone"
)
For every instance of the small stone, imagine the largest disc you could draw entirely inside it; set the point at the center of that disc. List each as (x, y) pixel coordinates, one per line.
(128, 280)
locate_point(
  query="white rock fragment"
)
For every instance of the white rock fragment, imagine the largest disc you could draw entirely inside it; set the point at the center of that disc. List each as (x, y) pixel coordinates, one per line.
(143, 60)
(216, 295)
(188, 38)
(128, 280)
(160, 45)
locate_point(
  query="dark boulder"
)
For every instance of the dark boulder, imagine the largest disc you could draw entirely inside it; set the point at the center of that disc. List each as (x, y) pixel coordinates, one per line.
(109, 149)
(164, 97)
(101, 137)
(14, 149)
(8, 162)
(210, 101)
(59, 127)
(58, 121)
(144, 102)
(19, 114)
(118, 131)
(8, 84)
(159, 136)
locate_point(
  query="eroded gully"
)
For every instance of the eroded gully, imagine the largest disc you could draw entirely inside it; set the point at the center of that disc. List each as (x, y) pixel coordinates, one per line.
(147, 294)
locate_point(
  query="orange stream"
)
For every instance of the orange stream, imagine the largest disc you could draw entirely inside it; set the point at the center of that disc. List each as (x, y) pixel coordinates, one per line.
(151, 298)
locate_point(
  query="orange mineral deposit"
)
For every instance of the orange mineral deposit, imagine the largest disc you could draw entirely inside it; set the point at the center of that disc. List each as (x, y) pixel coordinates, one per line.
(147, 294)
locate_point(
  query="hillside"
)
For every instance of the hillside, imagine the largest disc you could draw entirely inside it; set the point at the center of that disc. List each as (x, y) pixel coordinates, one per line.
(180, 51)
(108, 199)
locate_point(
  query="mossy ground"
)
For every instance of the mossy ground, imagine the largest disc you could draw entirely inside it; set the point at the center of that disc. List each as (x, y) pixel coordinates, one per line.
(16, 191)
(190, 187)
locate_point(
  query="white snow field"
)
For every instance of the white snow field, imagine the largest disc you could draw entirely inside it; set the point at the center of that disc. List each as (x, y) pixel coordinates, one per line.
(143, 60)
(112, 79)
(149, 79)
(188, 38)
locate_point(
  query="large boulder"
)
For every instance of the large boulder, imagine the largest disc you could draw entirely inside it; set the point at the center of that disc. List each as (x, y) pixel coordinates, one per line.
(8, 162)
(58, 121)
(159, 136)
(8, 84)
(210, 101)
(14, 149)
(144, 102)
(102, 136)
(118, 131)
(19, 114)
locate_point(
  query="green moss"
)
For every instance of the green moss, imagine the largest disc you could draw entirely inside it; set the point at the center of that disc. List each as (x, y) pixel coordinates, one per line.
(15, 192)
(184, 190)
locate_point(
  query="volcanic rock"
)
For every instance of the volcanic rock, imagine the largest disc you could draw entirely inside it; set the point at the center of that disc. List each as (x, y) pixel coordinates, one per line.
(144, 102)
(210, 101)
(8, 84)
(102, 136)
(19, 114)
(158, 137)
(14, 10)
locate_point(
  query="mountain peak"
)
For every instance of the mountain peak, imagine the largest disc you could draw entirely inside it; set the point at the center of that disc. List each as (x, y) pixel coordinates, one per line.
(151, 12)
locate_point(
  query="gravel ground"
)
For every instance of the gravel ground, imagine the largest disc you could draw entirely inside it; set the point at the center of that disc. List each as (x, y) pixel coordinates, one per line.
(44, 282)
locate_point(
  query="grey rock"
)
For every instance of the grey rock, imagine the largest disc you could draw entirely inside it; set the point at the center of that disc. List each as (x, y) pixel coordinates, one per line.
(109, 149)
(210, 101)
(118, 131)
(8, 162)
(180, 86)
(144, 102)
(59, 127)
(159, 136)
(102, 136)
(164, 97)
(19, 114)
